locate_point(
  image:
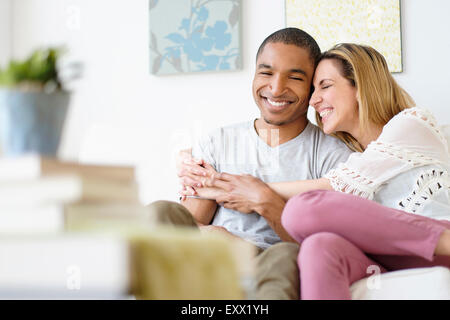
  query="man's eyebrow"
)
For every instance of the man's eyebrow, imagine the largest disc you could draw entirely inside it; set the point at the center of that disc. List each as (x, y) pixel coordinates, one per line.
(299, 71)
(264, 66)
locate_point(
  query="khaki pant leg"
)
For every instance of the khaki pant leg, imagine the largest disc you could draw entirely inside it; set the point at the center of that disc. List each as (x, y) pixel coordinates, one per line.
(170, 214)
(277, 274)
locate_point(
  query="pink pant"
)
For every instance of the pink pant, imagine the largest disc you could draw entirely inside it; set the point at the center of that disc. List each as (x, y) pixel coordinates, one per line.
(341, 235)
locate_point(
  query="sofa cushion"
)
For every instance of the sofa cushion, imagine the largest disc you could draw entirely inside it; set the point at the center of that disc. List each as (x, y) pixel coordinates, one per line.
(410, 284)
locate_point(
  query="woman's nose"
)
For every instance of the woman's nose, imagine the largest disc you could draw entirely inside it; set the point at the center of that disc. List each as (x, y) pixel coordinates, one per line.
(315, 98)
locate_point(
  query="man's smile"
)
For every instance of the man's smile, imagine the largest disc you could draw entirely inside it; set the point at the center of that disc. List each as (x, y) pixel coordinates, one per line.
(276, 104)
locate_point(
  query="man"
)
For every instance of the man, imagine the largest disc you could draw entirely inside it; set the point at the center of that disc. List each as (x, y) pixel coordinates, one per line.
(281, 145)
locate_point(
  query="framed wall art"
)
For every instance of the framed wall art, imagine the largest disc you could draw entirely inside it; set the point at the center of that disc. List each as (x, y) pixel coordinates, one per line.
(194, 36)
(370, 22)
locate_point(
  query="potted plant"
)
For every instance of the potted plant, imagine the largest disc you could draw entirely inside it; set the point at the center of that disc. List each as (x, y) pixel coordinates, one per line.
(33, 104)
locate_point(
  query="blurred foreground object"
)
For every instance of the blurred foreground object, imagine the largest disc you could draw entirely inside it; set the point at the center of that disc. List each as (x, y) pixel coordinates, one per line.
(118, 263)
(78, 231)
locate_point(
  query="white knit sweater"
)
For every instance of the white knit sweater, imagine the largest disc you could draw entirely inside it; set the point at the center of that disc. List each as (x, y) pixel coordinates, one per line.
(406, 168)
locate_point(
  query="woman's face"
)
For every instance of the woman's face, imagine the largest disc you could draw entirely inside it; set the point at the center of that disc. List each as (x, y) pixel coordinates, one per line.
(334, 98)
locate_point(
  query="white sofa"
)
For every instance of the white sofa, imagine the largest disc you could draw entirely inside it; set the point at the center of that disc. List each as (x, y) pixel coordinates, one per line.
(411, 284)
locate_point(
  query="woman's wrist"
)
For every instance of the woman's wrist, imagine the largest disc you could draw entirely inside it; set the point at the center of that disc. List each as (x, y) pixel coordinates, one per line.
(270, 205)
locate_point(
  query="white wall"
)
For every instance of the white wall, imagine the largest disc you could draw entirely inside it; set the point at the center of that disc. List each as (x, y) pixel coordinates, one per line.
(5, 31)
(122, 114)
(426, 50)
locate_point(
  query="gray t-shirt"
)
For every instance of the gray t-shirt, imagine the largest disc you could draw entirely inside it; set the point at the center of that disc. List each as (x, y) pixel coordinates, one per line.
(237, 149)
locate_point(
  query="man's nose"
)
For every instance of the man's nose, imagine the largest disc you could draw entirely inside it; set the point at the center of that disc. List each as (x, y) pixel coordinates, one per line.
(277, 86)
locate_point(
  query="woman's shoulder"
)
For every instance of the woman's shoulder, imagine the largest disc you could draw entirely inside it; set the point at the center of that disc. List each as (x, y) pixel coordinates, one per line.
(414, 131)
(417, 113)
(419, 116)
(416, 119)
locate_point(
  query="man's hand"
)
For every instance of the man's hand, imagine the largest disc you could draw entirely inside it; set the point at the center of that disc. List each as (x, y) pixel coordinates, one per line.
(243, 193)
(247, 194)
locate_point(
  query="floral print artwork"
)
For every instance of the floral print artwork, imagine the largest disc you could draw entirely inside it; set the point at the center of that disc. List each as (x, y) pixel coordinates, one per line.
(375, 23)
(194, 36)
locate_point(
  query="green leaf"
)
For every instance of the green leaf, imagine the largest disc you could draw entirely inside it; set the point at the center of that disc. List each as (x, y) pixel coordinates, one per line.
(39, 68)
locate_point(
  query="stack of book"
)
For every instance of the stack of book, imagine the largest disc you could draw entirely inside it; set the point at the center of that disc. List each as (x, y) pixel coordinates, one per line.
(45, 204)
(39, 194)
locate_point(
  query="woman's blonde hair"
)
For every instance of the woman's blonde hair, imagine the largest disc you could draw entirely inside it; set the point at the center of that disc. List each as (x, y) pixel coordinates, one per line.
(379, 96)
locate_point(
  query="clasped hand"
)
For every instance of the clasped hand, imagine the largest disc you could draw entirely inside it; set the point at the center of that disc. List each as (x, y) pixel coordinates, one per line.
(243, 193)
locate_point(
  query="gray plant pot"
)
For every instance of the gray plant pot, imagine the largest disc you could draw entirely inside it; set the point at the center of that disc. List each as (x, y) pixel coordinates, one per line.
(32, 122)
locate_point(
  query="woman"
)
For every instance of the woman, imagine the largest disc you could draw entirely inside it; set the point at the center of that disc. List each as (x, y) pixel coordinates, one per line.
(402, 163)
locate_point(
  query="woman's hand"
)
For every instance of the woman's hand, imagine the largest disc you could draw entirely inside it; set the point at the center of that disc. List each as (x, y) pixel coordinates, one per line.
(189, 169)
(192, 173)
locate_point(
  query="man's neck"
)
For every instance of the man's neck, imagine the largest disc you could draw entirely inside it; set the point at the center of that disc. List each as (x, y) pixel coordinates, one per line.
(275, 135)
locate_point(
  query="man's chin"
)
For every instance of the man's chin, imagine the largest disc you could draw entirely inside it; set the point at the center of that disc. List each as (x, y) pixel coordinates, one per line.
(282, 119)
(276, 122)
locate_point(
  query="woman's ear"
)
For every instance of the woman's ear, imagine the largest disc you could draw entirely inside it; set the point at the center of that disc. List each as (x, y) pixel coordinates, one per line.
(358, 100)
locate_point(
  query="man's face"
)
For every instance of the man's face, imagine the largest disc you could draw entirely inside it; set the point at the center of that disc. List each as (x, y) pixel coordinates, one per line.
(282, 83)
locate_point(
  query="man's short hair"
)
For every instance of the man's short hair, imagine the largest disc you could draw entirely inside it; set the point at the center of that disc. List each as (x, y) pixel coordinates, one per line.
(296, 37)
